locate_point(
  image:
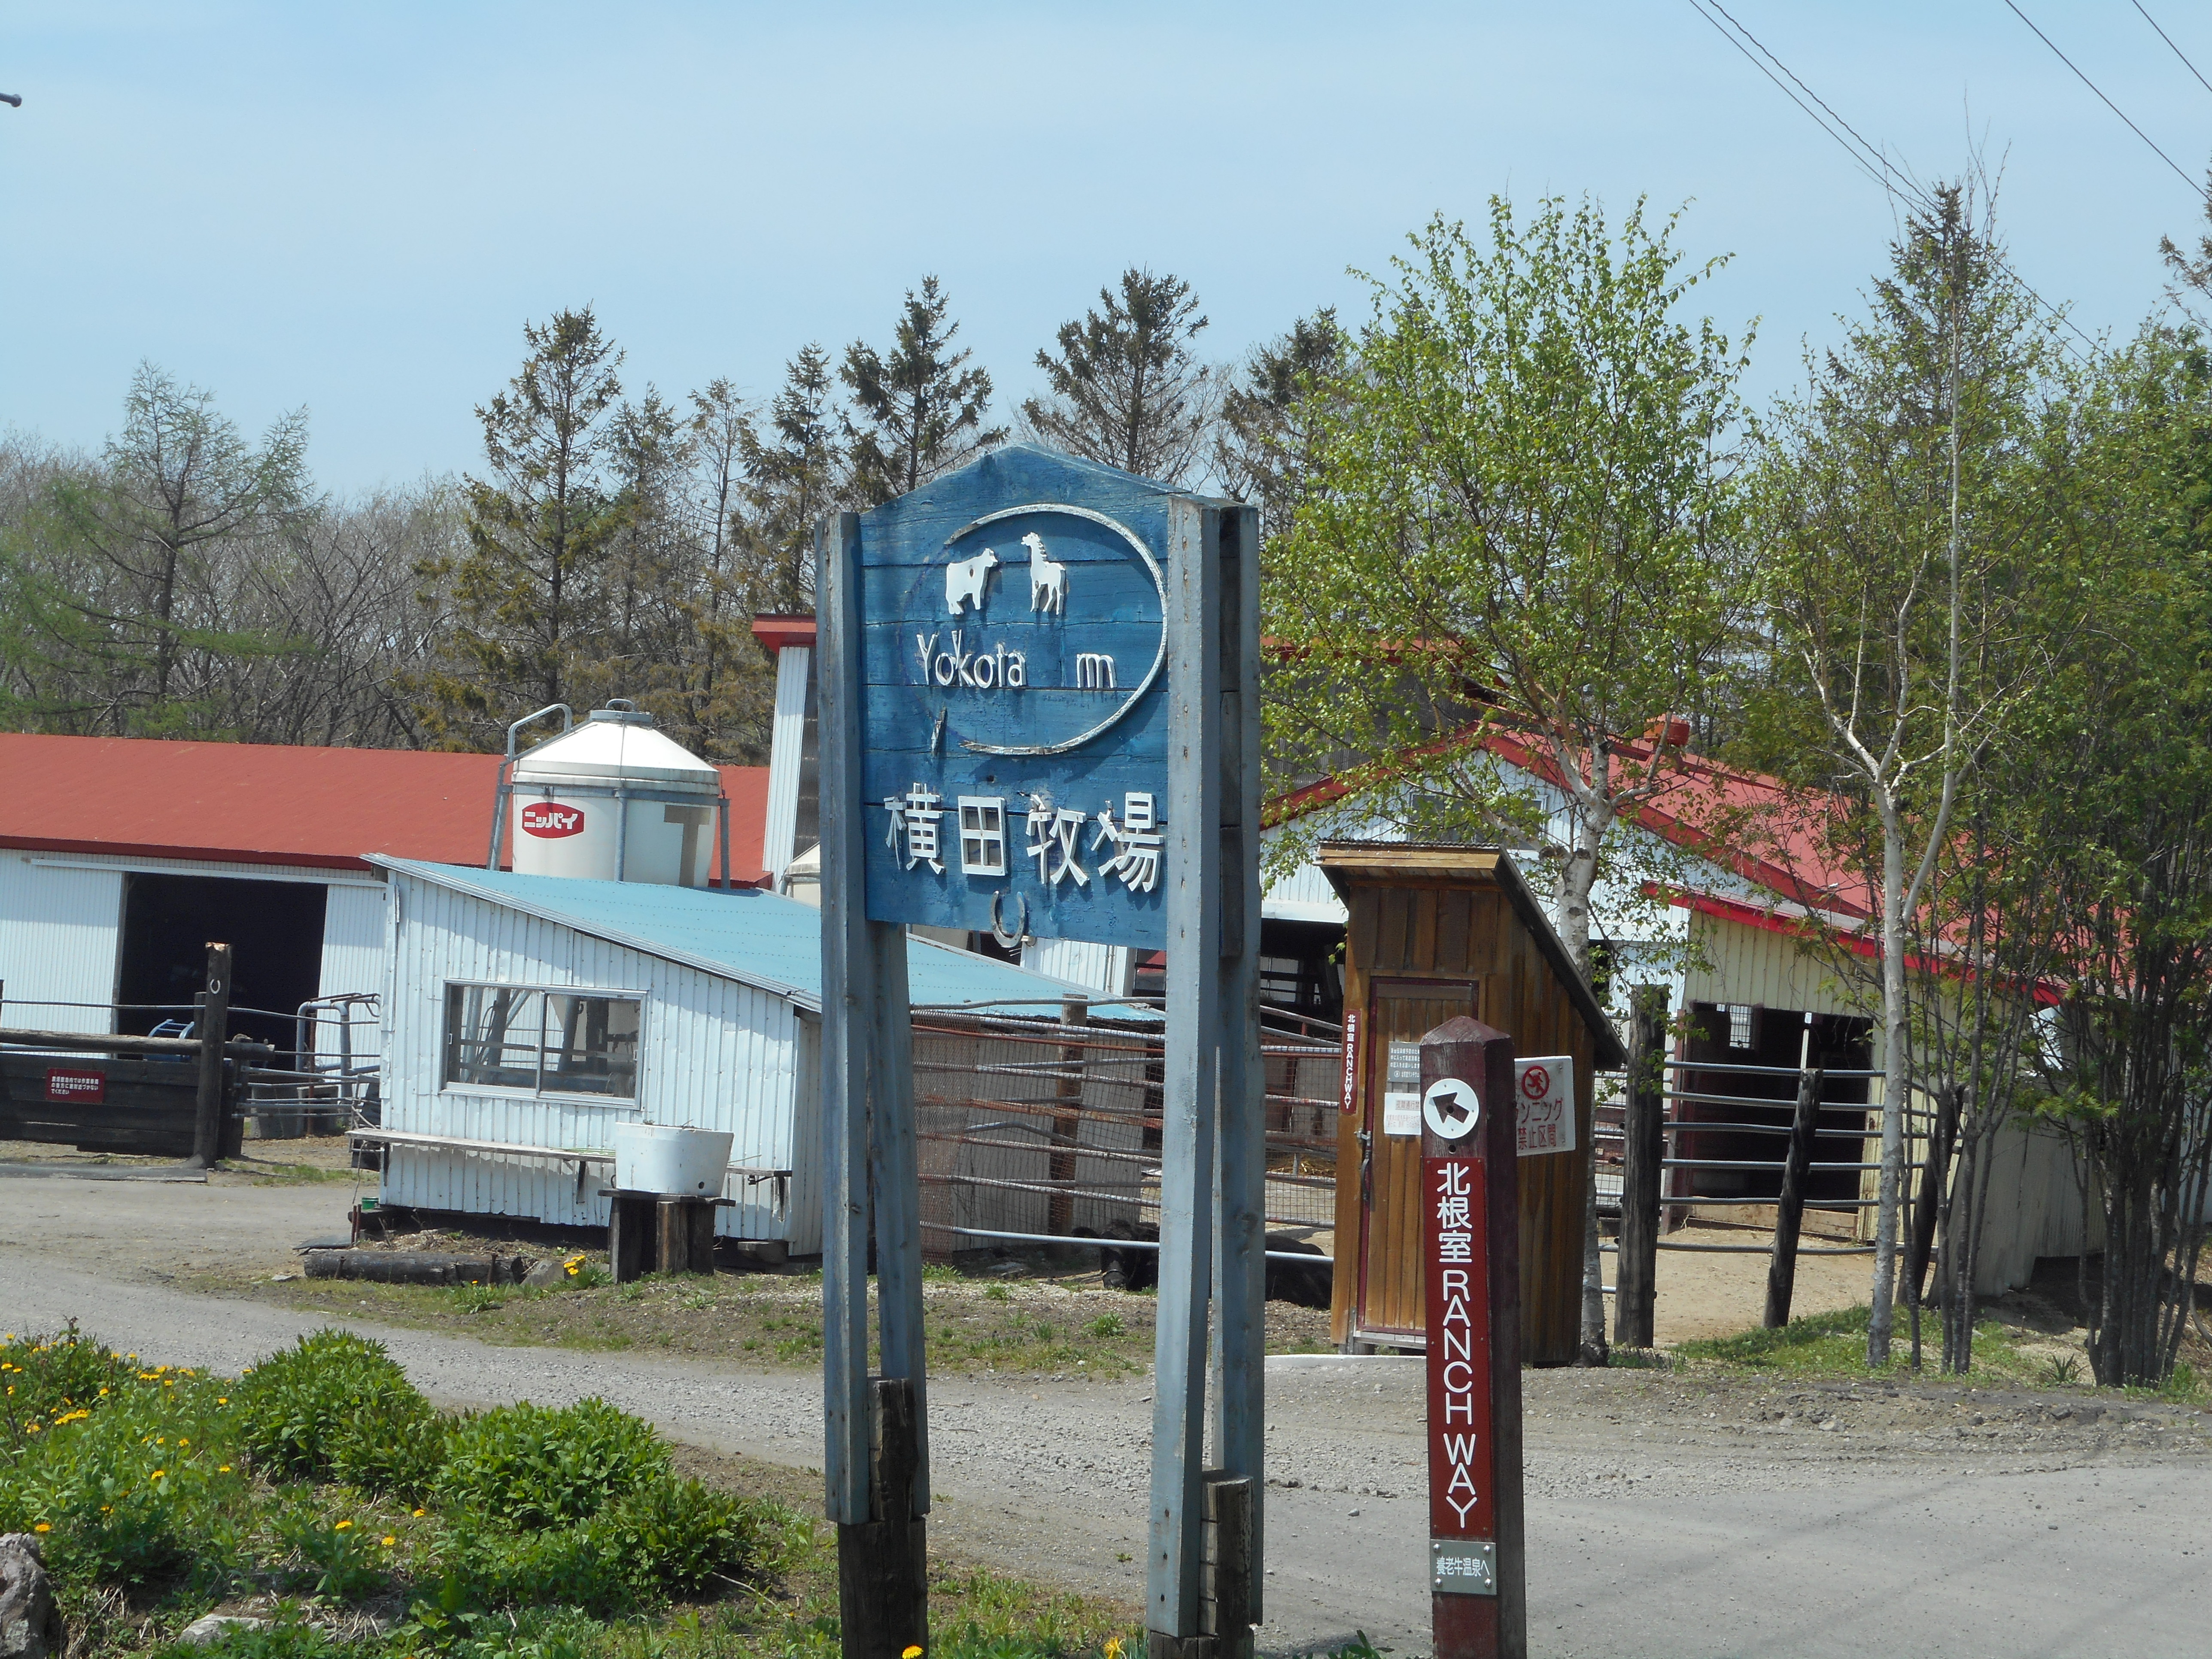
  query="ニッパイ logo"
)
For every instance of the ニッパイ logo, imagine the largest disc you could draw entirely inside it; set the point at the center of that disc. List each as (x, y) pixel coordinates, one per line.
(547, 818)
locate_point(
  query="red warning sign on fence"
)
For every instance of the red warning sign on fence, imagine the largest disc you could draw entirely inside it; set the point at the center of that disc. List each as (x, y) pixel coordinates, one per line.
(68, 1083)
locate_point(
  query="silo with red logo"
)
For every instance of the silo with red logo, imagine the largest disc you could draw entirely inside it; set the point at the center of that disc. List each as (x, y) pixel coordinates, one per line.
(613, 800)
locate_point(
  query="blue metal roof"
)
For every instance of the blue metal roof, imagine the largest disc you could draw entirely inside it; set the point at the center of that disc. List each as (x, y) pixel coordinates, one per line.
(757, 938)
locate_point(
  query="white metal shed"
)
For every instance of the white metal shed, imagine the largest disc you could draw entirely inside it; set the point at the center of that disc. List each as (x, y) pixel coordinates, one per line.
(526, 1016)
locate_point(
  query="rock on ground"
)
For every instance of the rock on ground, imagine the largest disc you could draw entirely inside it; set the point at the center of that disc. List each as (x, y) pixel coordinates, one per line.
(30, 1623)
(211, 1628)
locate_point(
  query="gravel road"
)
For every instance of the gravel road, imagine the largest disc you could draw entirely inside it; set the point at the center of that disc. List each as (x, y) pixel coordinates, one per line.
(1667, 1517)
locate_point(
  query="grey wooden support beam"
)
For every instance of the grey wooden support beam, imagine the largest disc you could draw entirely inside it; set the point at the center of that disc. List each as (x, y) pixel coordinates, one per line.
(213, 1030)
(894, 1168)
(848, 959)
(1240, 1436)
(1643, 1149)
(1190, 1103)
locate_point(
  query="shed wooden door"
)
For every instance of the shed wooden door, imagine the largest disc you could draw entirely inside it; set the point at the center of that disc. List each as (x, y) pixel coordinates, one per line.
(1402, 1012)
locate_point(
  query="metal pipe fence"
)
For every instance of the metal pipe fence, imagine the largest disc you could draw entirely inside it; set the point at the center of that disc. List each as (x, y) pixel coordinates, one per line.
(1042, 1122)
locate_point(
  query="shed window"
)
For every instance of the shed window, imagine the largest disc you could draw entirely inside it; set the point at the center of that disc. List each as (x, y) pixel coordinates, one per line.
(549, 1041)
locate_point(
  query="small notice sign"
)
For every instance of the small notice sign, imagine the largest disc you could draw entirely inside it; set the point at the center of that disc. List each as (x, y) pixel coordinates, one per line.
(1544, 1095)
(77, 1084)
(1401, 1094)
(1350, 1103)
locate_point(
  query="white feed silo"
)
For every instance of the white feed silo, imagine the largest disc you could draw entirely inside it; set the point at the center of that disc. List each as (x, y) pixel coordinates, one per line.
(612, 800)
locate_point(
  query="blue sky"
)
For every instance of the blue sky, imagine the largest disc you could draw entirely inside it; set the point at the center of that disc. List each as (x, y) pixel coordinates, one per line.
(355, 208)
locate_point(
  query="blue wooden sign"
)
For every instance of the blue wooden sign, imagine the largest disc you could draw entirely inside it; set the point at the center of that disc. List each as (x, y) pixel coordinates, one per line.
(1013, 715)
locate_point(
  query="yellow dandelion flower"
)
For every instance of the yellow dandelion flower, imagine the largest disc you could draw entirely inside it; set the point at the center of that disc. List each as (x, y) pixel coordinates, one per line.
(418, 1512)
(219, 1399)
(158, 1473)
(103, 1394)
(32, 1429)
(184, 1443)
(43, 1526)
(341, 1526)
(389, 1540)
(911, 1653)
(222, 1468)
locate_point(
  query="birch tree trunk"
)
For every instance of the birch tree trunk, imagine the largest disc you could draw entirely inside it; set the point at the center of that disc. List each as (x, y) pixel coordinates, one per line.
(1897, 1077)
(1578, 877)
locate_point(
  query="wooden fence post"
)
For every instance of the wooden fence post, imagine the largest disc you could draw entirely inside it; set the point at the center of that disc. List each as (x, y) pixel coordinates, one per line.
(213, 1027)
(1066, 1126)
(1643, 1141)
(883, 1603)
(1789, 1212)
(1933, 1174)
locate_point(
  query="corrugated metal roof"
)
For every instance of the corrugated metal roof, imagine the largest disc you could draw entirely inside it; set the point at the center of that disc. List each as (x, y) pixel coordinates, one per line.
(249, 803)
(754, 938)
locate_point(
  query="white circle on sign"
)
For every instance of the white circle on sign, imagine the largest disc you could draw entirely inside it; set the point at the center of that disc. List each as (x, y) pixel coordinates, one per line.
(1450, 1108)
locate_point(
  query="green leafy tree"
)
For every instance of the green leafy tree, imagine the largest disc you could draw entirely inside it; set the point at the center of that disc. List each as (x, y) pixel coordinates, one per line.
(1263, 447)
(2118, 780)
(1518, 518)
(1127, 389)
(921, 407)
(1897, 570)
(529, 598)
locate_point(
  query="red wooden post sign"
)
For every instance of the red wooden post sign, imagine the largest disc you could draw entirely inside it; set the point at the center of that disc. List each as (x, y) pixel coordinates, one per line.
(1470, 1261)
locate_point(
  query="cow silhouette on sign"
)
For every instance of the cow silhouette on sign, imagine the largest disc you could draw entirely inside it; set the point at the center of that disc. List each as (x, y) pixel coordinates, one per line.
(964, 579)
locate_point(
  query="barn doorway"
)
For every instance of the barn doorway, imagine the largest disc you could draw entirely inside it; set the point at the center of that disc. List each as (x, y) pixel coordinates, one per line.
(1755, 1053)
(275, 932)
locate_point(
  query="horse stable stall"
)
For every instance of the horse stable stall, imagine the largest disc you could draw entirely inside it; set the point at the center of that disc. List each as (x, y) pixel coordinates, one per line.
(1437, 931)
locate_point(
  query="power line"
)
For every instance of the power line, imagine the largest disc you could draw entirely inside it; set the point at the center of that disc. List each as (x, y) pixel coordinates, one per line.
(1881, 157)
(1869, 160)
(1857, 152)
(2107, 102)
(2177, 51)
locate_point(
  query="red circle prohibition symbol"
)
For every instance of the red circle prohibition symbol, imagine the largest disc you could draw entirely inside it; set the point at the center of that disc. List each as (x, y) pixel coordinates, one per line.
(1536, 1082)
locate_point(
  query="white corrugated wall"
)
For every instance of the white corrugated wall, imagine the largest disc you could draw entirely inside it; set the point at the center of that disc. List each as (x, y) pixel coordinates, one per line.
(1103, 969)
(713, 1053)
(353, 960)
(59, 928)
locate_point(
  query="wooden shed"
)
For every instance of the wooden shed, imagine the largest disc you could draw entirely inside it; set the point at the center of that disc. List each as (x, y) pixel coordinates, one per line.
(1437, 932)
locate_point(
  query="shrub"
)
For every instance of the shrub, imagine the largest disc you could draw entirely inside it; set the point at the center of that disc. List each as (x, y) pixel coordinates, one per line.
(287, 1638)
(45, 1377)
(675, 1534)
(533, 1468)
(664, 1536)
(337, 1407)
(345, 1560)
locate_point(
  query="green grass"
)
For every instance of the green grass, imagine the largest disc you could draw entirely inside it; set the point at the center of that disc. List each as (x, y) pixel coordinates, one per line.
(160, 1493)
(1832, 1345)
(270, 1173)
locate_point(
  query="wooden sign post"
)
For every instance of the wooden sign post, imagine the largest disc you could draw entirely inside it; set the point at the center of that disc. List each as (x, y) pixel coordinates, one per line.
(1040, 718)
(1471, 1257)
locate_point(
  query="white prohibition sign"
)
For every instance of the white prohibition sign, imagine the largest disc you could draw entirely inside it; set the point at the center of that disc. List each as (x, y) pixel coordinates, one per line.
(1159, 656)
(1450, 1108)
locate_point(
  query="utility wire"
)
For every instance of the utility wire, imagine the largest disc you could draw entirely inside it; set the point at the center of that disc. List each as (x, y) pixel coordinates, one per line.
(2177, 51)
(1858, 152)
(1869, 160)
(1880, 158)
(2107, 102)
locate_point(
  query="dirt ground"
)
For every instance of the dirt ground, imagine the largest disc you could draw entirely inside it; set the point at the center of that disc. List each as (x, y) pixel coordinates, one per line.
(1662, 1506)
(1700, 1295)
